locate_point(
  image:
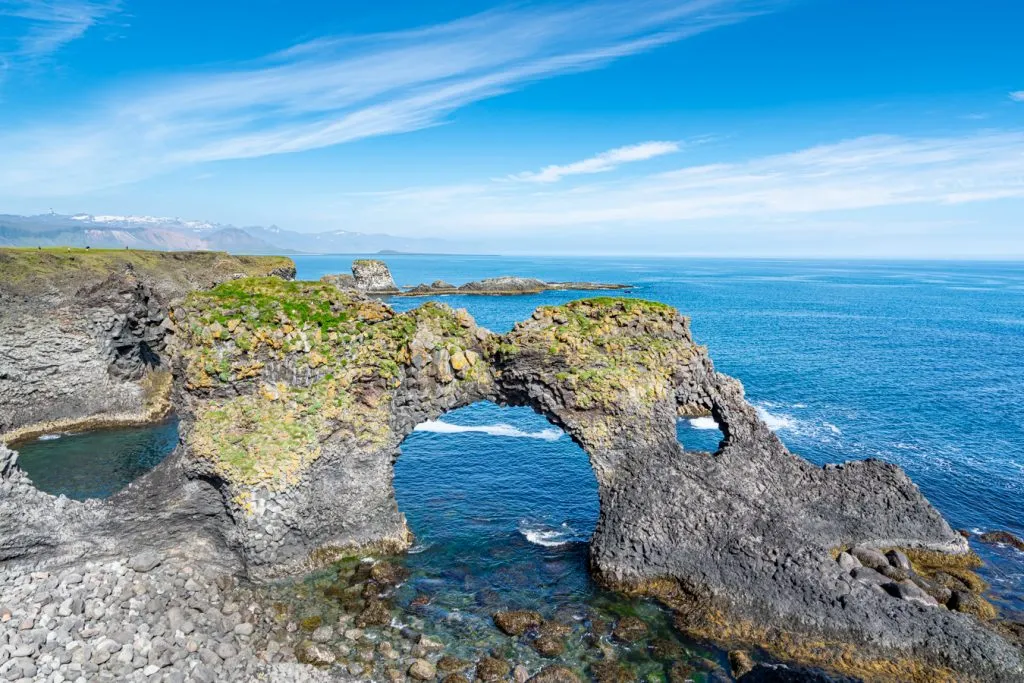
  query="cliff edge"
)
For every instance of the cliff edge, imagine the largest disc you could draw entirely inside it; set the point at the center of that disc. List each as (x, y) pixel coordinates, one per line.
(82, 331)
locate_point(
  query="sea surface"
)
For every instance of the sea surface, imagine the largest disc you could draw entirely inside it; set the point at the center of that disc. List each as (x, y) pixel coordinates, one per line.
(918, 363)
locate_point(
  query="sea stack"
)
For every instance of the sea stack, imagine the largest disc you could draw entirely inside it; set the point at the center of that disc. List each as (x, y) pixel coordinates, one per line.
(372, 276)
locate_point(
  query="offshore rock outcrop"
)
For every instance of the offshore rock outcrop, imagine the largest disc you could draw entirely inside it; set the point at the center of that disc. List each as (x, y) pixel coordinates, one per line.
(374, 277)
(82, 331)
(507, 285)
(370, 275)
(295, 397)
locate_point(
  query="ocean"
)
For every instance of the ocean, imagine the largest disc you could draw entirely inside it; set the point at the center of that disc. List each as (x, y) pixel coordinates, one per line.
(917, 363)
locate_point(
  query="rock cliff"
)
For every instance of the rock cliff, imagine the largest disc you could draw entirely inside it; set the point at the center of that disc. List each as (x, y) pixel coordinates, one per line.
(294, 398)
(82, 331)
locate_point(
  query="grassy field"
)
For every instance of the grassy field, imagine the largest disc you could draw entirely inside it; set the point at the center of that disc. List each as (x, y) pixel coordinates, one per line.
(30, 270)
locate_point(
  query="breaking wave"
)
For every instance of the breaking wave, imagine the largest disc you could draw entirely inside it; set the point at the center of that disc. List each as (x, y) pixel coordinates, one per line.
(439, 427)
(775, 422)
(549, 537)
(703, 423)
(49, 437)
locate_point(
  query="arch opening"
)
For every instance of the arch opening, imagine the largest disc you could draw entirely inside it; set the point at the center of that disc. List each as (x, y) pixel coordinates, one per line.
(700, 434)
(502, 504)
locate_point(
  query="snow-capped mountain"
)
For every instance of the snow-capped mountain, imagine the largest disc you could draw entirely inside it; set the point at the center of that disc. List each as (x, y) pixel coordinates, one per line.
(177, 234)
(154, 221)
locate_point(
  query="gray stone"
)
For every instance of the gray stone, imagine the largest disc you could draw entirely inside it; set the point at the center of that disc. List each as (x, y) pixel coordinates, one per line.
(868, 575)
(898, 559)
(226, 650)
(911, 592)
(870, 557)
(244, 629)
(848, 562)
(145, 561)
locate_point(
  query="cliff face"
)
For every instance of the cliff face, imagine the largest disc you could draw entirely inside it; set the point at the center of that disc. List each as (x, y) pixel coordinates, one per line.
(294, 398)
(82, 331)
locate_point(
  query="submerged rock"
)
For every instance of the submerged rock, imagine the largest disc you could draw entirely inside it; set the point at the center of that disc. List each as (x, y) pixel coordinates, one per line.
(630, 630)
(517, 622)
(492, 669)
(1003, 537)
(555, 674)
(309, 652)
(422, 670)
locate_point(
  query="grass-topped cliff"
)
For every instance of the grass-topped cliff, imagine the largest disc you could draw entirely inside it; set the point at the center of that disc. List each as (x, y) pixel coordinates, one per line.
(309, 360)
(604, 346)
(30, 271)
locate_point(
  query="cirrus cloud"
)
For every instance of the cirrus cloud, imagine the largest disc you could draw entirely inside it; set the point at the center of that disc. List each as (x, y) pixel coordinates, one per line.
(335, 90)
(600, 163)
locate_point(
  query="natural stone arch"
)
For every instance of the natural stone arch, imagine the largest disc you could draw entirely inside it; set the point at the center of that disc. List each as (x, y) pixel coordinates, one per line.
(295, 396)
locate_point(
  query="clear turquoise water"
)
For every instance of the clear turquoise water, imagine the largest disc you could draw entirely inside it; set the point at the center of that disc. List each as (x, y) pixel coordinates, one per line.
(917, 363)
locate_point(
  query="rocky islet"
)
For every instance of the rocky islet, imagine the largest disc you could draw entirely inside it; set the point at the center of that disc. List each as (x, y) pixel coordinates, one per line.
(295, 396)
(373, 277)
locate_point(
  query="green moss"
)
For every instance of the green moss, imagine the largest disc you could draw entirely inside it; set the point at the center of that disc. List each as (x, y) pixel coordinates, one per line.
(354, 349)
(605, 348)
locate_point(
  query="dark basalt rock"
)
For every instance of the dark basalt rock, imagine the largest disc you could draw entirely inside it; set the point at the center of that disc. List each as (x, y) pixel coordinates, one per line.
(740, 543)
(83, 332)
(1002, 537)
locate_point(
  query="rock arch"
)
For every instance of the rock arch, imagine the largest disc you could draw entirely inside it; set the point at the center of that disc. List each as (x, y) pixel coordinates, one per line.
(294, 398)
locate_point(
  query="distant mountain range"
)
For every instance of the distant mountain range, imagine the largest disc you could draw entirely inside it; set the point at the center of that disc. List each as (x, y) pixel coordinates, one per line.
(175, 234)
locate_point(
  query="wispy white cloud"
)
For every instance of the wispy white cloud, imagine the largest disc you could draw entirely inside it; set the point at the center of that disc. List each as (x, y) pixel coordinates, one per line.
(35, 29)
(600, 163)
(1017, 96)
(858, 174)
(334, 90)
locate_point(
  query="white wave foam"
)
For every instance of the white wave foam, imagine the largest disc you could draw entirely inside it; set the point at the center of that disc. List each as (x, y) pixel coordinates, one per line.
(539, 534)
(703, 423)
(49, 437)
(439, 427)
(832, 428)
(775, 422)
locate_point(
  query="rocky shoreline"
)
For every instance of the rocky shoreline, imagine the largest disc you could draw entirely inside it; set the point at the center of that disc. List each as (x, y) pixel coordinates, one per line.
(294, 398)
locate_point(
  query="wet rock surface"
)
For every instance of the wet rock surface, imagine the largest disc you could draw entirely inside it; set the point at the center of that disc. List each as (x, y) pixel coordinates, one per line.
(294, 398)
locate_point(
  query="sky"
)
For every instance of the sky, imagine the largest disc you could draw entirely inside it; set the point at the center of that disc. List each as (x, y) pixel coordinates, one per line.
(782, 128)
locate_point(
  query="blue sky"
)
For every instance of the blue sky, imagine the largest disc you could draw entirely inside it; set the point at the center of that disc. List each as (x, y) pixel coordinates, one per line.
(718, 127)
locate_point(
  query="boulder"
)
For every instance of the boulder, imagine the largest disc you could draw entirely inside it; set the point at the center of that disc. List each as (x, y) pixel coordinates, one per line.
(422, 670)
(517, 622)
(317, 654)
(870, 557)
